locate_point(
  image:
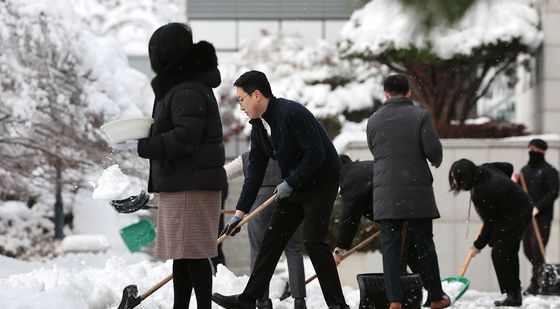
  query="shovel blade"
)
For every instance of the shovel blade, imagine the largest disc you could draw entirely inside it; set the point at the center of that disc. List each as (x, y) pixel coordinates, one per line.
(129, 298)
(138, 235)
(457, 285)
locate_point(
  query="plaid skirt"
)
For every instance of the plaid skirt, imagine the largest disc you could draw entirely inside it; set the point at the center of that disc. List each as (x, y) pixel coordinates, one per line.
(187, 224)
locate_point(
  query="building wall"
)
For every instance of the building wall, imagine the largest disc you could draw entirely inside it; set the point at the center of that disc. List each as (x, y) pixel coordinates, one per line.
(538, 105)
(551, 68)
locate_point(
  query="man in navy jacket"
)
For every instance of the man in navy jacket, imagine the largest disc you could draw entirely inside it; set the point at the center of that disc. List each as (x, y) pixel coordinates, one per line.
(310, 167)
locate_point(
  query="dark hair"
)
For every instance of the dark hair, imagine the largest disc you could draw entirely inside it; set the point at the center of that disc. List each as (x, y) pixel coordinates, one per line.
(462, 175)
(254, 80)
(167, 44)
(344, 159)
(539, 143)
(396, 84)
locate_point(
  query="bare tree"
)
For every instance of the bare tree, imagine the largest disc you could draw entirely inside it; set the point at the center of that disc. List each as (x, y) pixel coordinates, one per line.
(49, 137)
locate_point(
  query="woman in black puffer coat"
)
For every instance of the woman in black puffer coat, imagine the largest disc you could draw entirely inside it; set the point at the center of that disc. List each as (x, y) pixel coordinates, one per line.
(505, 211)
(186, 158)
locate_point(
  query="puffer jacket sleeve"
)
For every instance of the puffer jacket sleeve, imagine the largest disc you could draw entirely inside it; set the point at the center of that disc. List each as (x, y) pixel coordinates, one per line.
(188, 118)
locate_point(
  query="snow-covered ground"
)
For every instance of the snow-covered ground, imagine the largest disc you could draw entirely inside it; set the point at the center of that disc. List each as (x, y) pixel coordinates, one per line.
(96, 281)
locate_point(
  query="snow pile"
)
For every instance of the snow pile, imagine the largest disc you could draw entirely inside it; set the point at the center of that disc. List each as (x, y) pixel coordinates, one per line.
(452, 288)
(385, 24)
(96, 281)
(21, 228)
(84, 243)
(114, 185)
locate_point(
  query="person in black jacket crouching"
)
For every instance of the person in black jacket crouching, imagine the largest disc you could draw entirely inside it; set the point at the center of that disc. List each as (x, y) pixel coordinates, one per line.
(505, 211)
(309, 166)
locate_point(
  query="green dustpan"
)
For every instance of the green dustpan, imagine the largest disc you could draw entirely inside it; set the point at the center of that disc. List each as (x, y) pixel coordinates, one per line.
(465, 286)
(138, 235)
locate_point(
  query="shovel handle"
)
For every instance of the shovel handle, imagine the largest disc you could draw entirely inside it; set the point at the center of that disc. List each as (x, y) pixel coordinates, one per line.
(534, 222)
(466, 263)
(219, 241)
(538, 236)
(350, 252)
(469, 257)
(156, 287)
(251, 215)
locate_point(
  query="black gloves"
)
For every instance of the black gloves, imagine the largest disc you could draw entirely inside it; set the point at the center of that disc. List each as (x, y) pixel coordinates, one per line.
(231, 227)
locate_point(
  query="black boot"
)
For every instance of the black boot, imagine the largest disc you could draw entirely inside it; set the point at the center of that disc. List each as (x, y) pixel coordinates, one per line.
(299, 303)
(264, 304)
(513, 299)
(233, 301)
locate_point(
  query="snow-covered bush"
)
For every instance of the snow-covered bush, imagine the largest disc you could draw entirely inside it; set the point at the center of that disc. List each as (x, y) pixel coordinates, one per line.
(23, 230)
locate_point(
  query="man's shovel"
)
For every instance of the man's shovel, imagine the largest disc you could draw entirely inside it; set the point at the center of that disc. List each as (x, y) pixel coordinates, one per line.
(130, 292)
(349, 253)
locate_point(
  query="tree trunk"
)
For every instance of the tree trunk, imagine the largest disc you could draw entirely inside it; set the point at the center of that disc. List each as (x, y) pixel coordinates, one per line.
(58, 205)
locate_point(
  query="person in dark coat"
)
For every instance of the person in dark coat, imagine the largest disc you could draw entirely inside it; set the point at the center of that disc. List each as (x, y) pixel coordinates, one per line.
(505, 211)
(541, 179)
(257, 227)
(186, 157)
(310, 168)
(402, 138)
(356, 195)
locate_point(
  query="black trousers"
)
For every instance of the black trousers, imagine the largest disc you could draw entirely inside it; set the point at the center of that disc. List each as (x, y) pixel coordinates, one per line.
(505, 257)
(313, 207)
(189, 274)
(531, 247)
(256, 229)
(424, 260)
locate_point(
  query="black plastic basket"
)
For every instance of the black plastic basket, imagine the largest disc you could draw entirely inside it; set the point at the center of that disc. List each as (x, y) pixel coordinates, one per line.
(549, 279)
(372, 291)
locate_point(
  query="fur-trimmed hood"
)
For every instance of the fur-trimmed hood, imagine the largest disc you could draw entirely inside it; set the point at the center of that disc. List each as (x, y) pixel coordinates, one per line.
(200, 63)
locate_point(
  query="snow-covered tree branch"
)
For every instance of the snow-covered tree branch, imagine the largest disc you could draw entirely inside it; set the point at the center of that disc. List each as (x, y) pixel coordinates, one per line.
(452, 65)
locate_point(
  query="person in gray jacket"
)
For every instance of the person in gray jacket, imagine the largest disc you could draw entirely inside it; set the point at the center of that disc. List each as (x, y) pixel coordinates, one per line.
(401, 138)
(257, 227)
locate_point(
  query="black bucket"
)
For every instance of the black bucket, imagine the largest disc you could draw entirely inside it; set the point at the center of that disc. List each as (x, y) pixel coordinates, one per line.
(372, 291)
(549, 279)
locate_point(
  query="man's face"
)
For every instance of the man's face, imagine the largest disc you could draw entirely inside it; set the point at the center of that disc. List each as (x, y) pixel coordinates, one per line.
(249, 102)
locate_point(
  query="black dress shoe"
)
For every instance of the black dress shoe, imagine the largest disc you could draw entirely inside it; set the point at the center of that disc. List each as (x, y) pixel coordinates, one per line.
(232, 301)
(513, 299)
(299, 303)
(533, 289)
(264, 304)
